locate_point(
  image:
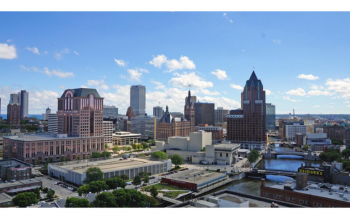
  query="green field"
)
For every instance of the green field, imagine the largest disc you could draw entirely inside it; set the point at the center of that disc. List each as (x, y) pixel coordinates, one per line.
(160, 187)
(173, 194)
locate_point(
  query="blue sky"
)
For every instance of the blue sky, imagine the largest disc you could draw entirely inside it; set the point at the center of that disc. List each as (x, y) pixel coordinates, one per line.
(301, 58)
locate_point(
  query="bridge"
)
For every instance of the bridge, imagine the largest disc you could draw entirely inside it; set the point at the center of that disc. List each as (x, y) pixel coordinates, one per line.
(264, 173)
(289, 153)
(171, 200)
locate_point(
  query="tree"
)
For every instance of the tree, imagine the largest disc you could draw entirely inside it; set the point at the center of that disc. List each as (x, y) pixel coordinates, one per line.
(124, 177)
(141, 174)
(337, 141)
(134, 146)
(74, 202)
(93, 174)
(129, 198)
(25, 199)
(144, 144)
(105, 199)
(95, 155)
(84, 190)
(98, 186)
(146, 178)
(203, 149)
(253, 156)
(159, 155)
(50, 194)
(106, 145)
(176, 160)
(105, 154)
(128, 149)
(306, 147)
(346, 153)
(136, 181)
(37, 192)
(154, 191)
(116, 149)
(115, 182)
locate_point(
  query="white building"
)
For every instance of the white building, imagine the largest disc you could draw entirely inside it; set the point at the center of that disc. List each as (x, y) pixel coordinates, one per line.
(108, 132)
(125, 138)
(52, 123)
(291, 130)
(45, 115)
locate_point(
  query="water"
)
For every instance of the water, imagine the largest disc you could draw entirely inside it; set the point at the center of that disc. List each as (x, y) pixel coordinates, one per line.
(4, 116)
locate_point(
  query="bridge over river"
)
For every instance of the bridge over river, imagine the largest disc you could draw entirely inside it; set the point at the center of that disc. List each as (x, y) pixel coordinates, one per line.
(264, 173)
(309, 155)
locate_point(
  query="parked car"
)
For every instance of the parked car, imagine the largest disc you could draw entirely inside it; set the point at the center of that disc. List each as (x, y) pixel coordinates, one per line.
(145, 184)
(163, 174)
(204, 162)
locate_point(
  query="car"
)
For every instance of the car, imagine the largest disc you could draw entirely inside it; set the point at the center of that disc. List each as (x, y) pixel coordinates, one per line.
(128, 183)
(121, 159)
(138, 186)
(176, 172)
(145, 184)
(163, 174)
(186, 168)
(152, 177)
(167, 174)
(171, 172)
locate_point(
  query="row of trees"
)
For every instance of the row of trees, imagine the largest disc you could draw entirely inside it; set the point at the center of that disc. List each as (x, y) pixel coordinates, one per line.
(98, 155)
(335, 155)
(101, 185)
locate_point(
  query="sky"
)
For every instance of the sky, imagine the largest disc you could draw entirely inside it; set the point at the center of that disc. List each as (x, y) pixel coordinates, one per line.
(301, 58)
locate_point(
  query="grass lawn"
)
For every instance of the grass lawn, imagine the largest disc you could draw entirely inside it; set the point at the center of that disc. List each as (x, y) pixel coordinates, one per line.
(173, 194)
(160, 187)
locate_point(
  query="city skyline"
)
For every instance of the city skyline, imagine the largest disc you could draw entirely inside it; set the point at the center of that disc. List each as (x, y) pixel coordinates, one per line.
(302, 68)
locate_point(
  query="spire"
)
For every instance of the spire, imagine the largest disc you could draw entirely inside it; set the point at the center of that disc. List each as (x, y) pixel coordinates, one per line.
(167, 109)
(253, 77)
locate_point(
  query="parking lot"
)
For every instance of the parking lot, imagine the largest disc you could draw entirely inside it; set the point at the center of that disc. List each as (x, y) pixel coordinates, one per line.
(61, 192)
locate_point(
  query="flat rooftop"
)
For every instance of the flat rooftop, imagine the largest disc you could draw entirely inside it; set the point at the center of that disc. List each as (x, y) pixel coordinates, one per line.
(109, 165)
(126, 134)
(195, 176)
(18, 183)
(227, 146)
(5, 198)
(231, 198)
(44, 137)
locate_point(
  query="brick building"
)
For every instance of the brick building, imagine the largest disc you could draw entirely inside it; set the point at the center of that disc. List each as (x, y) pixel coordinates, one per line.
(14, 114)
(338, 131)
(217, 132)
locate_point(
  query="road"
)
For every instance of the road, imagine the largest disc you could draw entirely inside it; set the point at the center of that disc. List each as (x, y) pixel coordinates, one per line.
(59, 191)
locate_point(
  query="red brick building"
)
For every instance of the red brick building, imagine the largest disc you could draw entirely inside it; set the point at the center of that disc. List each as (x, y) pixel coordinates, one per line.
(14, 114)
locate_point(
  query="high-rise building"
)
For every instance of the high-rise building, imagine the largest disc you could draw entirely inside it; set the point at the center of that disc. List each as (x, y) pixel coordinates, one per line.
(52, 123)
(45, 115)
(138, 99)
(24, 102)
(14, 114)
(80, 113)
(189, 111)
(108, 132)
(270, 117)
(143, 125)
(220, 115)
(130, 113)
(158, 111)
(14, 99)
(204, 113)
(248, 124)
(193, 99)
(290, 133)
(110, 111)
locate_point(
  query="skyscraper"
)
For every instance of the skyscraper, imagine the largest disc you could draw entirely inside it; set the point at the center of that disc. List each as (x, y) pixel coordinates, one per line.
(52, 123)
(110, 111)
(204, 113)
(24, 101)
(190, 111)
(138, 99)
(220, 115)
(248, 124)
(14, 99)
(270, 117)
(14, 114)
(158, 111)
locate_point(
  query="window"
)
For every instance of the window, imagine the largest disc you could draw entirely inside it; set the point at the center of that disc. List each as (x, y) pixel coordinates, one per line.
(220, 154)
(226, 154)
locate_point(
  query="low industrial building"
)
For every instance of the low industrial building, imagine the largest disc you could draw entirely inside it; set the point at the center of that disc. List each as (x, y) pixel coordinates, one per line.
(194, 179)
(125, 138)
(220, 201)
(13, 188)
(5, 200)
(75, 171)
(13, 169)
(198, 148)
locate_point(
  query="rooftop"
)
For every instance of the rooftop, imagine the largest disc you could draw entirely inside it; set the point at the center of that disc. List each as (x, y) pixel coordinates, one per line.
(82, 92)
(43, 137)
(231, 198)
(195, 176)
(5, 198)
(227, 146)
(18, 183)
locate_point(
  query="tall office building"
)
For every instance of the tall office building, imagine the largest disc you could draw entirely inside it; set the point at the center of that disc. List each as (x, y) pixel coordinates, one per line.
(52, 123)
(248, 124)
(130, 113)
(80, 113)
(24, 102)
(14, 114)
(158, 111)
(270, 117)
(220, 115)
(14, 99)
(138, 99)
(110, 111)
(204, 113)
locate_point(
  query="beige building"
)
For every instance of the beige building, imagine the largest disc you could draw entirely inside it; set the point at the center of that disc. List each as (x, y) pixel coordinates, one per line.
(125, 138)
(108, 132)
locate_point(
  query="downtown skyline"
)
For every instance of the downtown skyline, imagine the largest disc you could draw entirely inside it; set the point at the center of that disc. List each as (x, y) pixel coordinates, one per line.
(300, 57)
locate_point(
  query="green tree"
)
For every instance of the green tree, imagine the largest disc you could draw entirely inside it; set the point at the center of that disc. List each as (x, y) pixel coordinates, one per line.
(136, 181)
(253, 156)
(203, 149)
(74, 202)
(25, 199)
(144, 144)
(154, 191)
(346, 153)
(93, 174)
(176, 160)
(37, 192)
(128, 149)
(50, 194)
(124, 177)
(159, 155)
(95, 155)
(141, 174)
(84, 190)
(106, 145)
(337, 141)
(146, 178)
(105, 154)
(115, 182)
(134, 146)
(98, 186)
(105, 199)
(129, 198)
(116, 149)
(306, 147)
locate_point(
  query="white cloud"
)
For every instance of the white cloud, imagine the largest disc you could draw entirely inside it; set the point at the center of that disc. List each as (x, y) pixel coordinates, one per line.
(220, 74)
(238, 87)
(7, 51)
(297, 92)
(33, 50)
(288, 98)
(231, 21)
(346, 102)
(143, 70)
(58, 73)
(159, 85)
(268, 92)
(316, 106)
(99, 84)
(59, 56)
(120, 62)
(224, 14)
(134, 74)
(76, 53)
(9, 41)
(308, 77)
(210, 93)
(123, 76)
(45, 52)
(341, 87)
(348, 106)
(186, 79)
(119, 98)
(277, 41)
(319, 92)
(183, 63)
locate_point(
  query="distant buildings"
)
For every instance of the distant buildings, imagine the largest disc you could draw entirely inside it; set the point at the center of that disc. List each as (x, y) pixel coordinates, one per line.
(52, 123)
(270, 117)
(24, 102)
(145, 125)
(14, 114)
(248, 124)
(125, 138)
(204, 113)
(45, 115)
(130, 112)
(14, 99)
(220, 115)
(14, 169)
(138, 99)
(110, 111)
(289, 128)
(341, 132)
(217, 132)
(158, 111)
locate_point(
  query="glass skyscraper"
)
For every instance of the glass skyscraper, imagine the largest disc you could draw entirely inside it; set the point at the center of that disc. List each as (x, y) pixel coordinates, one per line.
(270, 117)
(138, 99)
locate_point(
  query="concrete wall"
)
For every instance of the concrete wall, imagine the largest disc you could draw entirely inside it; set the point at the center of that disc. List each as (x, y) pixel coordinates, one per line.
(210, 151)
(198, 140)
(160, 145)
(186, 154)
(228, 204)
(178, 143)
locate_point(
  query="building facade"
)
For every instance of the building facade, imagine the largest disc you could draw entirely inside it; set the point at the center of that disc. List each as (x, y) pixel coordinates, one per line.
(125, 138)
(338, 131)
(283, 127)
(189, 111)
(130, 113)
(52, 123)
(24, 102)
(45, 115)
(108, 132)
(217, 132)
(14, 115)
(292, 130)
(14, 99)
(158, 111)
(248, 124)
(204, 113)
(110, 111)
(270, 117)
(220, 115)
(138, 99)
(143, 125)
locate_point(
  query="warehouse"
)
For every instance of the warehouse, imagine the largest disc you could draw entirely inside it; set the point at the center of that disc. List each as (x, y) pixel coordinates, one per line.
(193, 179)
(75, 171)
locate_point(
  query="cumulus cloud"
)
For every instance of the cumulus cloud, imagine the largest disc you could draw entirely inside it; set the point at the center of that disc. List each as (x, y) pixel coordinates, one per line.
(186, 79)
(183, 63)
(339, 86)
(346, 102)
(120, 97)
(220, 74)
(297, 92)
(210, 93)
(99, 84)
(319, 92)
(134, 74)
(120, 62)
(308, 77)
(235, 86)
(59, 56)
(268, 92)
(33, 50)
(58, 73)
(7, 51)
(288, 98)
(159, 84)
